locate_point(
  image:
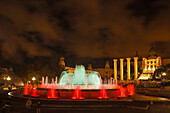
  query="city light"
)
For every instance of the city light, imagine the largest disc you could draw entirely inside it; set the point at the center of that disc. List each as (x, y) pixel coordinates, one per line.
(163, 73)
(8, 78)
(33, 78)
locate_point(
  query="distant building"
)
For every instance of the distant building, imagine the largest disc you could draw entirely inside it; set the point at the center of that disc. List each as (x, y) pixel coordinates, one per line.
(151, 63)
(106, 72)
(61, 62)
(147, 66)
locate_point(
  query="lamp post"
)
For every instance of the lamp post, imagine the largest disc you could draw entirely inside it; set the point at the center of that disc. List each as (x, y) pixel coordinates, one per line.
(9, 86)
(8, 78)
(164, 76)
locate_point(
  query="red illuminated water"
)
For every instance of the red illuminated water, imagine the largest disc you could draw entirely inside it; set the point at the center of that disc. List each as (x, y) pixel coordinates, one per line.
(103, 93)
(131, 90)
(52, 93)
(34, 91)
(26, 90)
(77, 93)
(122, 92)
(30, 87)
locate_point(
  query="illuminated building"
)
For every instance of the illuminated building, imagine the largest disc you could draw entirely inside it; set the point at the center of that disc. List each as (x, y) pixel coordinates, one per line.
(106, 72)
(62, 63)
(150, 64)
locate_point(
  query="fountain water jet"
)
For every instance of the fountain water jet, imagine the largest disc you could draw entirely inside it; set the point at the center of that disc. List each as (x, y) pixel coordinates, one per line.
(122, 92)
(52, 93)
(34, 91)
(131, 90)
(77, 93)
(103, 94)
(26, 92)
(79, 77)
(30, 88)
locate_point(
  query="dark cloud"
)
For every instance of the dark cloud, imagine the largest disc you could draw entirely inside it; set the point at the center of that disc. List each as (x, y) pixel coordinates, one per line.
(82, 28)
(162, 47)
(148, 9)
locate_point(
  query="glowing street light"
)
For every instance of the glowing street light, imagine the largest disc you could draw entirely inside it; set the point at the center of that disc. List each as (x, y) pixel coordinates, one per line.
(33, 78)
(8, 78)
(163, 73)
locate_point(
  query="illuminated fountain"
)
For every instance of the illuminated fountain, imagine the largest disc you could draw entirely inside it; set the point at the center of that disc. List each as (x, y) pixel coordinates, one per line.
(78, 84)
(80, 77)
(70, 79)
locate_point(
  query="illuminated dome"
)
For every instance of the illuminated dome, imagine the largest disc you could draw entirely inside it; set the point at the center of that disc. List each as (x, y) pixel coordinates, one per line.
(152, 52)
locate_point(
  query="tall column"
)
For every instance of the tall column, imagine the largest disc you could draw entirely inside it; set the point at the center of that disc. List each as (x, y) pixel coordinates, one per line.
(115, 69)
(128, 68)
(136, 68)
(145, 63)
(121, 69)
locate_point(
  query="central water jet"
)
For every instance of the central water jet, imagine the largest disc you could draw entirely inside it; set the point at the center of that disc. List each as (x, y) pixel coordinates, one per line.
(80, 76)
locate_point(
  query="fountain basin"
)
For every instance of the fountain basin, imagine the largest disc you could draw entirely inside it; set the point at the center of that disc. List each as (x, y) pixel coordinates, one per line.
(86, 93)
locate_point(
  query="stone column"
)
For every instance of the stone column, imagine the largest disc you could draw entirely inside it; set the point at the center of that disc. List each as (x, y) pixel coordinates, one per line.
(128, 68)
(136, 68)
(146, 64)
(121, 69)
(115, 69)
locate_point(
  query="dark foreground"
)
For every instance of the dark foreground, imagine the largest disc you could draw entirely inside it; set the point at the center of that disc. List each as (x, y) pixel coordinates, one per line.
(141, 104)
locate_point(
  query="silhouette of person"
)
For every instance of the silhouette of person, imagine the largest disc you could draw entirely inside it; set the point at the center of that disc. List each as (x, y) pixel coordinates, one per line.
(29, 103)
(38, 107)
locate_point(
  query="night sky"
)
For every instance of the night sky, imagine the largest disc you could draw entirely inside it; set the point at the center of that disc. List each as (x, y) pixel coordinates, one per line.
(83, 28)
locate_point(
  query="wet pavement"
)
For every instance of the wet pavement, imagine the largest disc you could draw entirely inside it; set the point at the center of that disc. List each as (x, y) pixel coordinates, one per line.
(140, 104)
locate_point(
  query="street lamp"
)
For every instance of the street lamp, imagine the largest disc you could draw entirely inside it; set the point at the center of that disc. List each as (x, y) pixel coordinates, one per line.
(164, 74)
(8, 78)
(9, 86)
(33, 78)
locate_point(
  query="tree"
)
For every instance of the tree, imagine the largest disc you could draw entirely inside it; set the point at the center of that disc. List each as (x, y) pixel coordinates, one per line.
(21, 71)
(3, 73)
